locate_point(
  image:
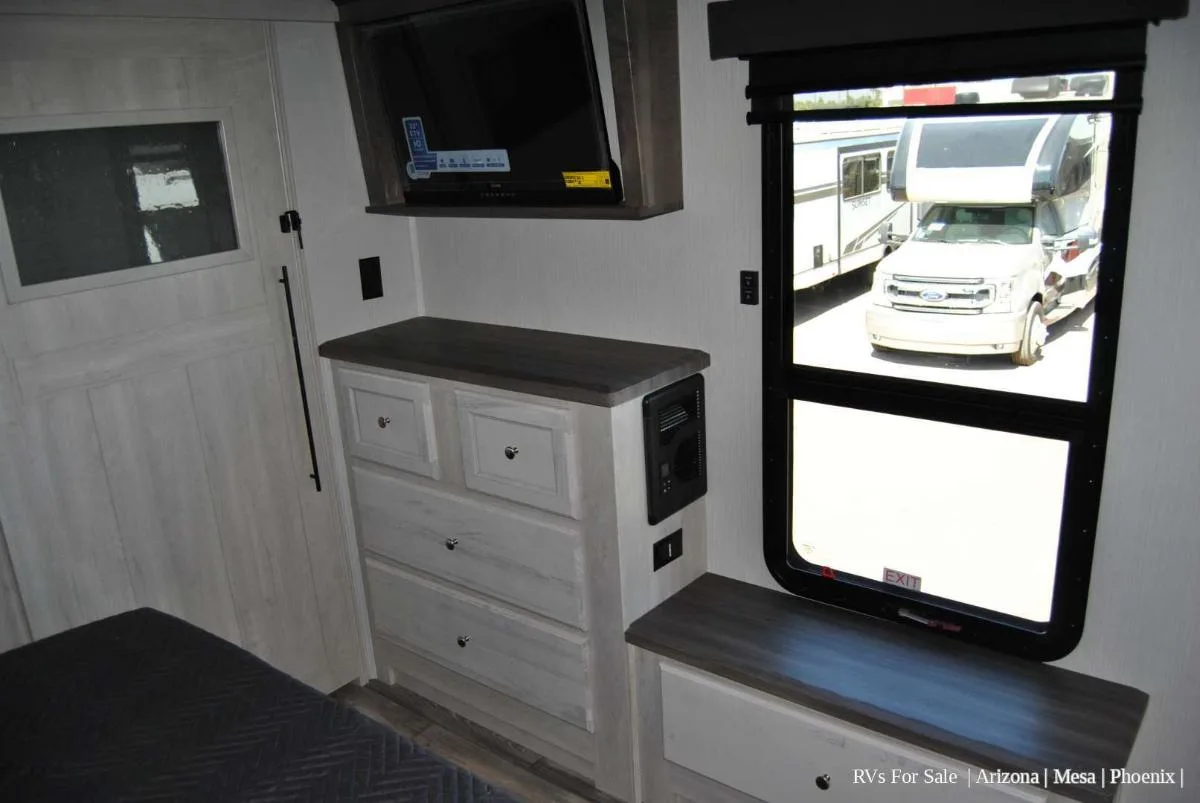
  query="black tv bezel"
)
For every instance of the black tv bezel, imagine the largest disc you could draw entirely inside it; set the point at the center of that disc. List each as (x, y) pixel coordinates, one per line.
(489, 189)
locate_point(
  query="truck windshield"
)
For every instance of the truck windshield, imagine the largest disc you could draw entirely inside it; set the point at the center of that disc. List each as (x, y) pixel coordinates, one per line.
(1007, 225)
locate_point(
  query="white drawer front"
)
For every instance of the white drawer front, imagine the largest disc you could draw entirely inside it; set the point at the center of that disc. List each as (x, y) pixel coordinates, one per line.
(539, 665)
(389, 420)
(523, 452)
(775, 751)
(517, 559)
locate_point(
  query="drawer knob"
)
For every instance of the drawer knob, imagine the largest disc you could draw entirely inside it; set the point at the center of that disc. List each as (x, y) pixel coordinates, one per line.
(822, 781)
(462, 640)
(383, 421)
(511, 451)
(451, 543)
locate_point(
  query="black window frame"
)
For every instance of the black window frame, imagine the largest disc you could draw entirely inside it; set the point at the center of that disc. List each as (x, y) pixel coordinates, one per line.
(1083, 425)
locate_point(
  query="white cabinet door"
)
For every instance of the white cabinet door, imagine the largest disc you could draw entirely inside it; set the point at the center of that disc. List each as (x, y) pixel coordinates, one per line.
(781, 753)
(389, 420)
(519, 451)
(540, 665)
(527, 562)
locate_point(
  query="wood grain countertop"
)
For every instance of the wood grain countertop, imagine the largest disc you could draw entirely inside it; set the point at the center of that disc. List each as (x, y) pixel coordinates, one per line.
(590, 370)
(977, 706)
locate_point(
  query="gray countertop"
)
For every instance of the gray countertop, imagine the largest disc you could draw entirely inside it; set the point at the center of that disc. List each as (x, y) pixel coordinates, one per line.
(590, 370)
(985, 709)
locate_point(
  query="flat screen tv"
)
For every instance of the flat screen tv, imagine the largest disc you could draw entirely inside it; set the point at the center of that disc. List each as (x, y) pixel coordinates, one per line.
(494, 102)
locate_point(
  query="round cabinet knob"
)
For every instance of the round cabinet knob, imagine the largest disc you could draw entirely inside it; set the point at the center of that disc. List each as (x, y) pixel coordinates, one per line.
(451, 543)
(462, 640)
(511, 451)
(822, 781)
(383, 421)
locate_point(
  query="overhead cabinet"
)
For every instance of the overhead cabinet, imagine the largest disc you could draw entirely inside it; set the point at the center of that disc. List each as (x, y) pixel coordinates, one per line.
(641, 38)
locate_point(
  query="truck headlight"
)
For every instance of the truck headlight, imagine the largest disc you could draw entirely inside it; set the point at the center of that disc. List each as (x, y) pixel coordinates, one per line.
(879, 289)
(1003, 302)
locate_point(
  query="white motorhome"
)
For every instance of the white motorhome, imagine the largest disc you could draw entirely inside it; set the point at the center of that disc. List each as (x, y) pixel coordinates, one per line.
(843, 212)
(1009, 242)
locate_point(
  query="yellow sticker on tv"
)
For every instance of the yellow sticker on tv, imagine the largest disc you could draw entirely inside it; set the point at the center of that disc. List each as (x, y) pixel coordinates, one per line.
(589, 180)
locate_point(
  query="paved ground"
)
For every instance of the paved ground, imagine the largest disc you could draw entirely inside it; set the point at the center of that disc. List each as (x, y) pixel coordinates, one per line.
(974, 513)
(832, 333)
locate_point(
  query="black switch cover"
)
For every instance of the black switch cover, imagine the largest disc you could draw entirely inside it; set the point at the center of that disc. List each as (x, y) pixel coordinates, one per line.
(371, 277)
(749, 287)
(668, 549)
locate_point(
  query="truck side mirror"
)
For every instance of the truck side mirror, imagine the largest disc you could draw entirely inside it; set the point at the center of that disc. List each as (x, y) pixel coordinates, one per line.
(1086, 236)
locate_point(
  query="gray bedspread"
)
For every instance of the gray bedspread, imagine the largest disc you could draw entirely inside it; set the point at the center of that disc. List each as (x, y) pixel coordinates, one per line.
(145, 707)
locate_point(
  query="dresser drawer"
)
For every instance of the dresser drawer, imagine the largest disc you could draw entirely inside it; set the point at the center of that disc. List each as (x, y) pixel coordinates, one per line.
(389, 420)
(540, 665)
(775, 751)
(517, 559)
(523, 452)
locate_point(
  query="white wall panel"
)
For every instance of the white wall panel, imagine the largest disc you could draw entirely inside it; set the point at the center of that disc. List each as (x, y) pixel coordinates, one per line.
(672, 280)
(1142, 626)
(331, 193)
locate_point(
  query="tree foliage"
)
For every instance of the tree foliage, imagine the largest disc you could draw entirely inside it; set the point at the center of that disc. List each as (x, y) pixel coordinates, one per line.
(844, 100)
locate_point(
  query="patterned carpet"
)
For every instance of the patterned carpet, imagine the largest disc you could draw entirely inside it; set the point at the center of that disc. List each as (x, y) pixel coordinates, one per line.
(145, 707)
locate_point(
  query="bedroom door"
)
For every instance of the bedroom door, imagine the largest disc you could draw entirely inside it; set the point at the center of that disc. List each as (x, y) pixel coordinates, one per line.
(152, 441)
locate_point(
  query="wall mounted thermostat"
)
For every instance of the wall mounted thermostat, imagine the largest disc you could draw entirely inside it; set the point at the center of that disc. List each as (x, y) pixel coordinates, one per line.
(673, 428)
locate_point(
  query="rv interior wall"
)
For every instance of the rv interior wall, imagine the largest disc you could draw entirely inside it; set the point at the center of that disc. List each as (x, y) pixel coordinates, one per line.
(674, 280)
(331, 192)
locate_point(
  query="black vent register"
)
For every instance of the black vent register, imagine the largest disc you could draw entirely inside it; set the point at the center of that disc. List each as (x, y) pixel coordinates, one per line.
(673, 427)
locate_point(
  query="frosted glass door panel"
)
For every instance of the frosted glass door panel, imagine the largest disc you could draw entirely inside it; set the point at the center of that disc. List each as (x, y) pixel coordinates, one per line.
(98, 200)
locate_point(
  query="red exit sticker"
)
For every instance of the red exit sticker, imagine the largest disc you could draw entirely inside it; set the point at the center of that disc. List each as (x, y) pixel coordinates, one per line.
(895, 578)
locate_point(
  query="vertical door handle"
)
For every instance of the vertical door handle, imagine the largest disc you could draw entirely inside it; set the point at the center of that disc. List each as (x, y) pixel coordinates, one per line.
(315, 476)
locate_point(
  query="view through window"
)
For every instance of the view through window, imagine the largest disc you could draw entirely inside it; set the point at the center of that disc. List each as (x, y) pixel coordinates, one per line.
(960, 249)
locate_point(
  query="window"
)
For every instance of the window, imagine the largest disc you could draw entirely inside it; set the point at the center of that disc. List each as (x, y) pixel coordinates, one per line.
(936, 388)
(860, 176)
(88, 206)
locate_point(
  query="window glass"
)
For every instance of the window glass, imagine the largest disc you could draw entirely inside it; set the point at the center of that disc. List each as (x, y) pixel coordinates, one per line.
(1082, 86)
(966, 514)
(979, 142)
(870, 172)
(937, 275)
(852, 178)
(96, 200)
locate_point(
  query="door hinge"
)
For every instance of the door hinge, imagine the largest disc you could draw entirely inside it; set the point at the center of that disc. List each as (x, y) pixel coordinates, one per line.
(289, 222)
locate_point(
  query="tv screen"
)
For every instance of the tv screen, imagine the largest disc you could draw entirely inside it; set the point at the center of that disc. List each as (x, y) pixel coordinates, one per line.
(495, 101)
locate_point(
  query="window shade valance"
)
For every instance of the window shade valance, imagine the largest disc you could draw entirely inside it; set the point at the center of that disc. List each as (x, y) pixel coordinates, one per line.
(744, 28)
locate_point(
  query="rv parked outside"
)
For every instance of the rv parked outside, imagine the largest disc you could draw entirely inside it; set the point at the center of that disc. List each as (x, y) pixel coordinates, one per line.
(1042, 87)
(1010, 242)
(845, 218)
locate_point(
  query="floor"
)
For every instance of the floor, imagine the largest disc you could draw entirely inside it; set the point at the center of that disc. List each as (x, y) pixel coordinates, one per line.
(521, 772)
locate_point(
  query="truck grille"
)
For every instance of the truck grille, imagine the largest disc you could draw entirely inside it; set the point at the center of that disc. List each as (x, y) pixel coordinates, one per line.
(927, 294)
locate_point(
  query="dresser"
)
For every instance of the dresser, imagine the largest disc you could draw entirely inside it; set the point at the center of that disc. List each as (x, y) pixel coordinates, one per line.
(499, 496)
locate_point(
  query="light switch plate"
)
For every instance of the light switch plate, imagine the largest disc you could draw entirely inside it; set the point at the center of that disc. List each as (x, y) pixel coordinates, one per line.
(668, 549)
(371, 276)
